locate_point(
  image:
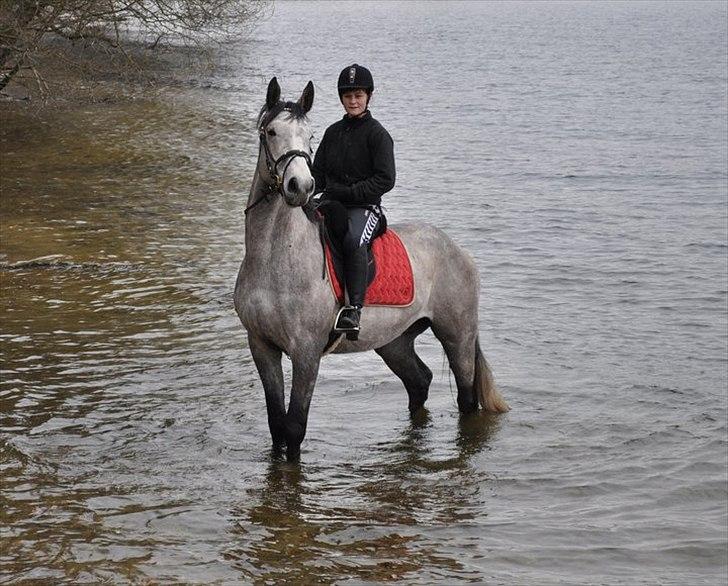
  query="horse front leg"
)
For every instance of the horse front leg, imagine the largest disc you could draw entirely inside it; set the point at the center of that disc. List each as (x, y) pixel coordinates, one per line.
(305, 371)
(267, 359)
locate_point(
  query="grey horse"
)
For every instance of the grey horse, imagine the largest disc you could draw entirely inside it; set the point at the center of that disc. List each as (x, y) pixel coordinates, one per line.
(286, 305)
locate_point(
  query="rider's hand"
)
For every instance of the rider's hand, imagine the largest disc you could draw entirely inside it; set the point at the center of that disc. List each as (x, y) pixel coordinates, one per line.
(337, 191)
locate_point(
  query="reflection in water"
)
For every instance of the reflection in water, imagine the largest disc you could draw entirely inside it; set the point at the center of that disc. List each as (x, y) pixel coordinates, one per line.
(366, 521)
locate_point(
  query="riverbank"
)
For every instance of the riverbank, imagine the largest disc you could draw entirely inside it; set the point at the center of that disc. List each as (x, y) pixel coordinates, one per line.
(65, 75)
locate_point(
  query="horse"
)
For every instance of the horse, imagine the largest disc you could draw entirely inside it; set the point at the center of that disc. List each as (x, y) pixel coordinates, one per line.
(287, 306)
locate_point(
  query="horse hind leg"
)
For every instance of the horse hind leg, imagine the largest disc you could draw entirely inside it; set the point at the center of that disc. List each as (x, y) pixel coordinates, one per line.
(400, 356)
(458, 349)
(473, 377)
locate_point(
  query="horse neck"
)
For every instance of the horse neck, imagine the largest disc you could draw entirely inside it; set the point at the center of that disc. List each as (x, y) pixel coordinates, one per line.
(275, 232)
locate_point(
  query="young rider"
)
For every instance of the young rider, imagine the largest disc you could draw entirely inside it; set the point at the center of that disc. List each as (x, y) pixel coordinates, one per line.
(354, 165)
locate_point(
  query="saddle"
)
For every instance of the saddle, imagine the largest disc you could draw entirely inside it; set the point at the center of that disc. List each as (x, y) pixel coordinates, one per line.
(390, 281)
(389, 273)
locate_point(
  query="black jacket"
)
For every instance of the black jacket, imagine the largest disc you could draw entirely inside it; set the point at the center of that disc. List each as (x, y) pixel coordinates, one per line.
(354, 163)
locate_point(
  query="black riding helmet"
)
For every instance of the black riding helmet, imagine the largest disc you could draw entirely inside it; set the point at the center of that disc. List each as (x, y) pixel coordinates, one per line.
(355, 77)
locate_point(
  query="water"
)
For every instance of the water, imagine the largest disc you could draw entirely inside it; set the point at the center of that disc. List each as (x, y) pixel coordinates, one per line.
(578, 151)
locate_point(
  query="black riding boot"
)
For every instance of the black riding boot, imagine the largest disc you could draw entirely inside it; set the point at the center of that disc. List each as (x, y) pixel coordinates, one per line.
(355, 274)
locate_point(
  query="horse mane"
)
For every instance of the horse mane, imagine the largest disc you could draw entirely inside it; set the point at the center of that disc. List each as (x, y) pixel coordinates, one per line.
(294, 109)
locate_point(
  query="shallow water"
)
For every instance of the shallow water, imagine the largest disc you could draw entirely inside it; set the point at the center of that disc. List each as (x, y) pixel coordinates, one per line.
(576, 150)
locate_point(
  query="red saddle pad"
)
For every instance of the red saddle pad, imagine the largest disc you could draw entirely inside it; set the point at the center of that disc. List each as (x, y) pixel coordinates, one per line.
(393, 284)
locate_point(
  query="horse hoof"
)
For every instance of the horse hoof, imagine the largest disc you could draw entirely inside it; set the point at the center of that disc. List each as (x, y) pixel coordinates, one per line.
(293, 452)
(467, 405)
(416, 401)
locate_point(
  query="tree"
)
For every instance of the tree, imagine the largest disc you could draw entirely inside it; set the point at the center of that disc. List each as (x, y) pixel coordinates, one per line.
(25, 25)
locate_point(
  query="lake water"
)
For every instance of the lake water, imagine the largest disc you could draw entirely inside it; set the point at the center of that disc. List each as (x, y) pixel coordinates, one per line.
(577, 150)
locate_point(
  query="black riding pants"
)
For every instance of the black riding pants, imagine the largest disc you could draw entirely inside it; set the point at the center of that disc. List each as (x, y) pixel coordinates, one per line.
(362, 224)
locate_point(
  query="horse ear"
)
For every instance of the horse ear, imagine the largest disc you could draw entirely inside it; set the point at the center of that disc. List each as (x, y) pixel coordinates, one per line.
(306, 99)
(273, 95)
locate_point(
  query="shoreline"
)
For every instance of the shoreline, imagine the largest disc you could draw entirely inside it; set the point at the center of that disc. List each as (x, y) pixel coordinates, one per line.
(68, 76)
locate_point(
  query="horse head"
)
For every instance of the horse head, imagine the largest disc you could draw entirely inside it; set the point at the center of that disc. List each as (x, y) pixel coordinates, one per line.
(284, 161)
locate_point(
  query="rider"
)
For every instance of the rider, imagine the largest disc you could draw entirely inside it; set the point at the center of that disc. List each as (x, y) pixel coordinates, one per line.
(354, 165)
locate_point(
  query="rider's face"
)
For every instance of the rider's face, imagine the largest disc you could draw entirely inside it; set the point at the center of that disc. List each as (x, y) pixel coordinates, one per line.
(355, 102)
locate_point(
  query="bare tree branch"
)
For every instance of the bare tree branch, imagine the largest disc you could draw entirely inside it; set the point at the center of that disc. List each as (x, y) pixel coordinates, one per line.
(25, 24)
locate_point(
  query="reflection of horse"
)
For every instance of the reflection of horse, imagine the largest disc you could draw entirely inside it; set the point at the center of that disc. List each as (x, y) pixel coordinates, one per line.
(286, 306)
(359, 520)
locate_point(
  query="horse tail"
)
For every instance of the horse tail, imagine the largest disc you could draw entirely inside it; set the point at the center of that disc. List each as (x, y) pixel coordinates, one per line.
(484, 385)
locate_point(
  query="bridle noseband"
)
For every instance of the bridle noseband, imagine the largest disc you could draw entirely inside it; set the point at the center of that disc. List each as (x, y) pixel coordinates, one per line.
(272, 164)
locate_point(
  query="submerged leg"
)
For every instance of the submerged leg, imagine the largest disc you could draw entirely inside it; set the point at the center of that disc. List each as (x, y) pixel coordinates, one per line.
(459, 346)
(472, 373)
(305, 371)
(400, 356)
(268, 361)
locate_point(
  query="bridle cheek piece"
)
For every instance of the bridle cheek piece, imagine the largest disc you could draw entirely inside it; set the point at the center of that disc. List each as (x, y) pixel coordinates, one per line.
(272, 166)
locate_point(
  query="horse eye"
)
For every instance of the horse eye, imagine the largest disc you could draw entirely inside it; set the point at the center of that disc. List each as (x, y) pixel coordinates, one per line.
(271, 132)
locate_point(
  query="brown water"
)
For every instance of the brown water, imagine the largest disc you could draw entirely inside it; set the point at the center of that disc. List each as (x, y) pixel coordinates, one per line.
(135, 446)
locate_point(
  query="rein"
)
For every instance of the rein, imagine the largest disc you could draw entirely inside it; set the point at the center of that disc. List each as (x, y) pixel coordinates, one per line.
(272, 166)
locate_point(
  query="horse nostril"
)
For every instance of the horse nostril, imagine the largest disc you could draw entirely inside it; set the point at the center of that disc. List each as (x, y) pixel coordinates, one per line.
(310, 186)
(293, 185)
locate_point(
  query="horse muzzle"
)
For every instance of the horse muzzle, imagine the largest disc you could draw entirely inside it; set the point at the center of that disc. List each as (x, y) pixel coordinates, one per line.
(297, 191)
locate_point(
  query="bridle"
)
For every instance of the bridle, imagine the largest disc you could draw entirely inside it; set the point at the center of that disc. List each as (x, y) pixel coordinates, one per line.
(272, 164)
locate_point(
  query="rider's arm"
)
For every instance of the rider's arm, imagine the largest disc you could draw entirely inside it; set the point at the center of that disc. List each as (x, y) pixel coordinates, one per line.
(370, 190)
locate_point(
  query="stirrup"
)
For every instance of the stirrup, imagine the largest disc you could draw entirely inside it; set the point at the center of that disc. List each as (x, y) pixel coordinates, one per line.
(352, 333)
